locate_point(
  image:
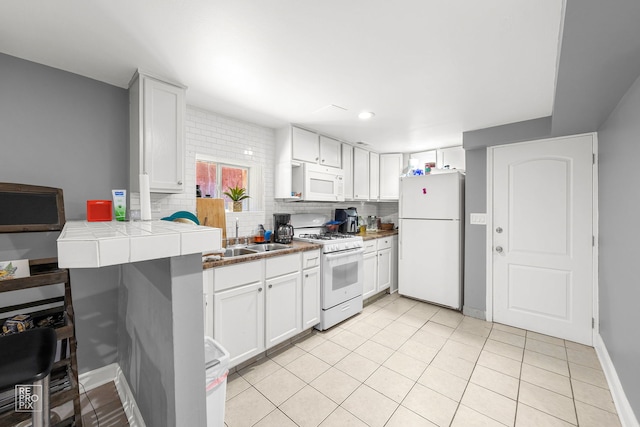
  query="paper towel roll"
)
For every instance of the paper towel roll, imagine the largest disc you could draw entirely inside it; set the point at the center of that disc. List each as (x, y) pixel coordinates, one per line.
(145, 198)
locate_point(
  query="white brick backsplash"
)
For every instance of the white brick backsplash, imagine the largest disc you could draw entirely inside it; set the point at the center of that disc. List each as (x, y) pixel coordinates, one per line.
(219, 136)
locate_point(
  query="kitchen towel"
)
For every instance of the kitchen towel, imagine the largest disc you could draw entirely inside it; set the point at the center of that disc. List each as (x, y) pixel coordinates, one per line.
(145, 198)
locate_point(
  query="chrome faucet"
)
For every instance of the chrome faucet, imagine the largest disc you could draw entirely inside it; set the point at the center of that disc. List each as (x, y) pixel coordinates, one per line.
(236, 231)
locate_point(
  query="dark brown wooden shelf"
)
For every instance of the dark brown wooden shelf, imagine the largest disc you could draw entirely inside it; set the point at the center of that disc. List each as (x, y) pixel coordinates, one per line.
(64, 375)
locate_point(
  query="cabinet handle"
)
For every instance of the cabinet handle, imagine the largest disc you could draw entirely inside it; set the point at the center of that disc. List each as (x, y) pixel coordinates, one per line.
(179, 182)
(306, 275)
(259, 289)
(270, 286)
(316, 159)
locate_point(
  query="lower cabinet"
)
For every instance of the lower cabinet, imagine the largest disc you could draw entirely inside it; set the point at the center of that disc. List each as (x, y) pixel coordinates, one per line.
(238, 321)
(370, 266)
(310, 297)
(380, 266)
(259, 304)
(283, 308)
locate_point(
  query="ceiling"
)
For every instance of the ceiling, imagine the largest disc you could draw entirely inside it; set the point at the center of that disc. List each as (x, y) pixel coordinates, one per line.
(428, 69)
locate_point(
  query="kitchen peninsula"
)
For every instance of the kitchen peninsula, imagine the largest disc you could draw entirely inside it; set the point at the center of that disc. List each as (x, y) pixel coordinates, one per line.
(160, 321)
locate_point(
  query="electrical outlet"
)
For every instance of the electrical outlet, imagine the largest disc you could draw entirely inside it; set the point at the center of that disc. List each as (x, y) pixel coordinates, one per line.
(478, 219)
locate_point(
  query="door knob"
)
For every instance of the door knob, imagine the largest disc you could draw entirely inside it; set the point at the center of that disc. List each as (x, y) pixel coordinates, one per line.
(499, 230)
(499, 249)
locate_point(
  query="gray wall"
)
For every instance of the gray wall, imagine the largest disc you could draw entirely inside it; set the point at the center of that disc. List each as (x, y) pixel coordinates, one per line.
(62, 130)
(475, 143)
(619, 207)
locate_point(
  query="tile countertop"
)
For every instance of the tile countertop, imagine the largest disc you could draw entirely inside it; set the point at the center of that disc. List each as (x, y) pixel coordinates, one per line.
(84, 244)
(296, 246)
(378, 234)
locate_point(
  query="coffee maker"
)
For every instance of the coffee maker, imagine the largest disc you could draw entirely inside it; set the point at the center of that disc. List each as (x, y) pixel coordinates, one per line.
(282, 229)
(349, 219)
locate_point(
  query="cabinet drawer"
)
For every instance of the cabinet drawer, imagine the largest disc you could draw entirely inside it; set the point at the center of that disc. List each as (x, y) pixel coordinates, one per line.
(384, 243)
(311, 259)
(236, 275)
(280, 265)
(370, 246)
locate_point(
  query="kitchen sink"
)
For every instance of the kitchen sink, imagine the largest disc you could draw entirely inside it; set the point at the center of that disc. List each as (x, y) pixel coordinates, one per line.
(231, 252)
(267, 247)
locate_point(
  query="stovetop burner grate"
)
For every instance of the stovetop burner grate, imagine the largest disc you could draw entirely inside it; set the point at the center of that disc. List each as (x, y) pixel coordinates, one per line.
(326, 236)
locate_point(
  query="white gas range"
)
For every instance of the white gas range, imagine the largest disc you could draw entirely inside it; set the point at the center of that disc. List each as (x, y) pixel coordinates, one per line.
(341, 268)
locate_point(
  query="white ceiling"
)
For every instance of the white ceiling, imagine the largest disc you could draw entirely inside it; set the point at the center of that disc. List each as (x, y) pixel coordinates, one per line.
(428, 69)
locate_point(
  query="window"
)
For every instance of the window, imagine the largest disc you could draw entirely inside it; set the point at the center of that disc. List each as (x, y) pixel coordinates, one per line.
(214, 178)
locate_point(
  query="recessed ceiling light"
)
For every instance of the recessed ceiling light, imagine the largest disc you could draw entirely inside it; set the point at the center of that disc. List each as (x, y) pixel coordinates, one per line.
(366, 115)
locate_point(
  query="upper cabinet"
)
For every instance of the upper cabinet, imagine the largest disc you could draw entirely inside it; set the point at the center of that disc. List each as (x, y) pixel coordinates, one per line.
(156, 133)
(390, 171)
(374, 176)
(305, 145)
(347, 167)
(360, 174)
(308, 146)
(330, 152)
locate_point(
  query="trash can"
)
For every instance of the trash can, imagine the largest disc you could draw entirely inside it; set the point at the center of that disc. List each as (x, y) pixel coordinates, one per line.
(216, 360)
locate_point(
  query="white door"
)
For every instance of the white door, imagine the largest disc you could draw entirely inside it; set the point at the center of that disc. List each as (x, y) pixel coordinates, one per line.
(542, 236)
(384, 269)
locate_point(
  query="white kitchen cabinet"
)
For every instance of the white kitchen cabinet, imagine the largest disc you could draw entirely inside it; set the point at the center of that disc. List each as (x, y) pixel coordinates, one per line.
(330, 152)
(384, 267)
(370, 267)
(156, 133)
(305, 145)
(347, 167)
(360, 174)
(238, 323)
(283, 308)
(390, 171)
(310, 289)
(374, 176)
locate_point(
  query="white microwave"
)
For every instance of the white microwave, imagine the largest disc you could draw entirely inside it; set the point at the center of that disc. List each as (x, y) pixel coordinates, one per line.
(316, 183)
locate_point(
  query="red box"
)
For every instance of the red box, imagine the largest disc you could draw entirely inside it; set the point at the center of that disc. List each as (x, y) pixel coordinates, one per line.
(99, 210)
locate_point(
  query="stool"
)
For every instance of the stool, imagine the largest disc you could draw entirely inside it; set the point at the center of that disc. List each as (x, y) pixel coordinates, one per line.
(27, 358)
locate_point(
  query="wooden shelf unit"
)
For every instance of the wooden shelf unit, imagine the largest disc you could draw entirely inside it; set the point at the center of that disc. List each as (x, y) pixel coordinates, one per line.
(64, 376)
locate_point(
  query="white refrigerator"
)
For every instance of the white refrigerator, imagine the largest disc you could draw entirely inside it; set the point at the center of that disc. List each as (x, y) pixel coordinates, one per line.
(431, 227)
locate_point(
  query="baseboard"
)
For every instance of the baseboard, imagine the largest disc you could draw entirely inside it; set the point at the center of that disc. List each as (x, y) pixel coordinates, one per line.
(625, 411)
(112, 372)
(472, 312)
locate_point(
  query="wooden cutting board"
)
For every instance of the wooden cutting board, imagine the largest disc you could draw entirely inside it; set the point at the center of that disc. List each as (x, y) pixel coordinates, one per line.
(210, 212)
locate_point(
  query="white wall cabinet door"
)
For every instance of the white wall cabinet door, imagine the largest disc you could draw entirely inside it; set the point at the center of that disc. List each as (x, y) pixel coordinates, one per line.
(330, 152)
(283, 308)
(157, 134)
(304, 145)
(384, 269)
(238, 323)
(360, 174)
(347, 167)
(370, 266)
(310, 297)
(374, 176)
(390, 170)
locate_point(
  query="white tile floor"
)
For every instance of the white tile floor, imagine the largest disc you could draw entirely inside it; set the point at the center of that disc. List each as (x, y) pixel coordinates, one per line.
(407, 363)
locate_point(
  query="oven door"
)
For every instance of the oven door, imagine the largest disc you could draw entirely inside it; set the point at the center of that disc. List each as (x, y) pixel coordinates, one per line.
(342, 275)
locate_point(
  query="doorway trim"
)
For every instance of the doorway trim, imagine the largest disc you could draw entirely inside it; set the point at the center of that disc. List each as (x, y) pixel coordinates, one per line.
(594, 229)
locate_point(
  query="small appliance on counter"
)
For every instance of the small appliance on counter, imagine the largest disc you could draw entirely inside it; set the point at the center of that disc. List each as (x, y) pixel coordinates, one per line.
(348, 219)
(282, 229)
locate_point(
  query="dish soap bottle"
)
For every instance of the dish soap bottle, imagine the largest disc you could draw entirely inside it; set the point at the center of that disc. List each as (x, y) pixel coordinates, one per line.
(259, 237)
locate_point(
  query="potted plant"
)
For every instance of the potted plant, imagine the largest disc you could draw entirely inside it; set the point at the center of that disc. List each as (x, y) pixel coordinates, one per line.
(237, 194)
